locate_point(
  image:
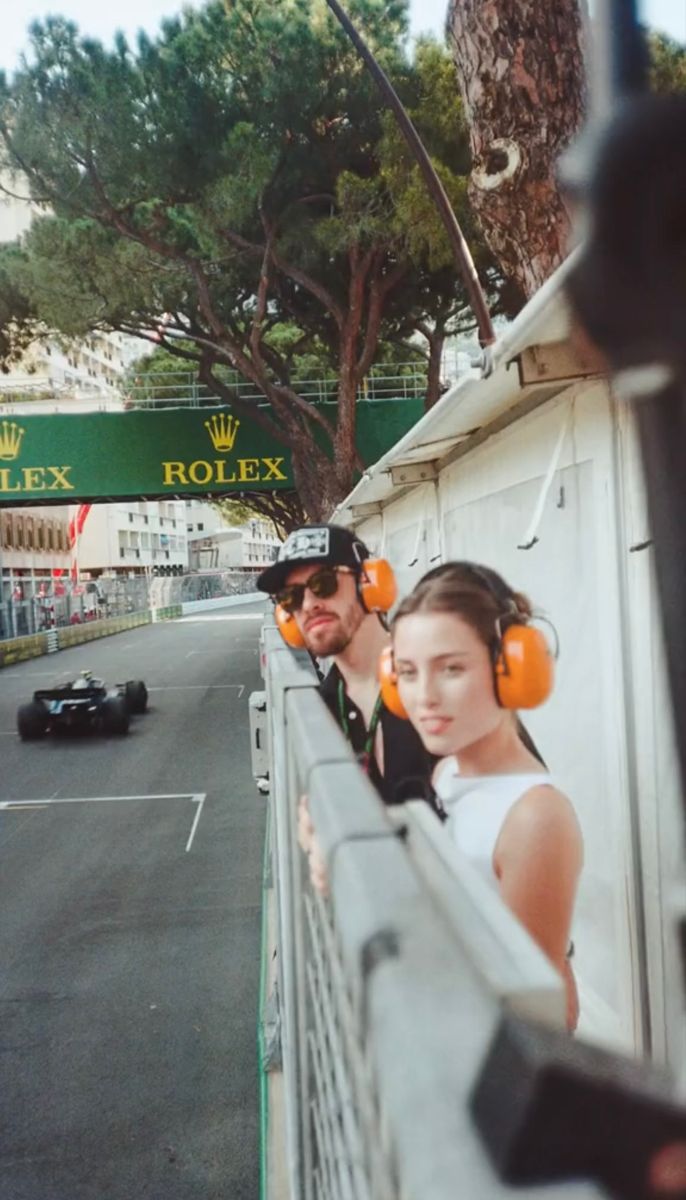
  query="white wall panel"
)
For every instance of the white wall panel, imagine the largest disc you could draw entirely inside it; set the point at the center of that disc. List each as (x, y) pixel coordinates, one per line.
(487, 500)
(658, 785)
(607, 731)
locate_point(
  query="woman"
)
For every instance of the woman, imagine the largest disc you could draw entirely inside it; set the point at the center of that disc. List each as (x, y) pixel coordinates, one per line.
(504, 810)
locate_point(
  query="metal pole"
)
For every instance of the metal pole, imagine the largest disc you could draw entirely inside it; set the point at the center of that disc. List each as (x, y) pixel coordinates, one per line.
(461, 251)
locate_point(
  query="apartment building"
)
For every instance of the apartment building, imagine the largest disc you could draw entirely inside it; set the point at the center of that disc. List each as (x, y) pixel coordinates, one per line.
(134, 538)
(54, 370)
(34, 560)
(212, 544)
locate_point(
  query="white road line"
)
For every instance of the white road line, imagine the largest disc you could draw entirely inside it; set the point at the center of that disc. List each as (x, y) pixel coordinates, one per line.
(220, 617)
(14, 674)
(195, 798)
(199, 687)
(199, 800)
(99, 799)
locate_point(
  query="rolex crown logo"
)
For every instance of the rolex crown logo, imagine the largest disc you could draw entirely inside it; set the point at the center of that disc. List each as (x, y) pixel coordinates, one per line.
(11, 435)
(222, 429)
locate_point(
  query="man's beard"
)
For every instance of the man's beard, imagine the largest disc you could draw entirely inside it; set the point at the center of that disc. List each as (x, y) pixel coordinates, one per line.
(330, 642)
(336, 643)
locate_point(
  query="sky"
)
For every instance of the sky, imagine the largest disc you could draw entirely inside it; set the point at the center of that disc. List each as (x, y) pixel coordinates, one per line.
(102, 20)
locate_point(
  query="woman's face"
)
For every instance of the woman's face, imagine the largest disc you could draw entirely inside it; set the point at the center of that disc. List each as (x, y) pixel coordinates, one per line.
(445, 680)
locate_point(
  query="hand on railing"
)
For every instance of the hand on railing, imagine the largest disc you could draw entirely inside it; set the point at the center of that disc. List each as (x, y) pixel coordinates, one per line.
(309, 844)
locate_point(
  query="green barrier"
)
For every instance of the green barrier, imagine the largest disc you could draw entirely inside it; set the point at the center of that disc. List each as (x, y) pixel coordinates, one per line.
(168, 613)
(76, 635)
(22, 648)
(33, 645)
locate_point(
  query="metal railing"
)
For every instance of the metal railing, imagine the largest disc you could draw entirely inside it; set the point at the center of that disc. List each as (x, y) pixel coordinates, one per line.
(35, 605)
(389, 991)
(182, 388)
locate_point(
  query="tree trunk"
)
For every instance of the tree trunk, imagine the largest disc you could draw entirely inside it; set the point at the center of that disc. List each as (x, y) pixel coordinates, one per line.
(521, 73)
(316, 482)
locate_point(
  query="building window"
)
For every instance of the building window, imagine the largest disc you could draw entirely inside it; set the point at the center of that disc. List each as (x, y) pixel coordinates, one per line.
(201, 526)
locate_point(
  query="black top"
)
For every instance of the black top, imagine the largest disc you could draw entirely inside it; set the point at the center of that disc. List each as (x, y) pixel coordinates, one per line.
(408, 765)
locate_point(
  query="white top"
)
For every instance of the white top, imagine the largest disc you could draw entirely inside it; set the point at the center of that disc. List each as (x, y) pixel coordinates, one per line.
(477, 807)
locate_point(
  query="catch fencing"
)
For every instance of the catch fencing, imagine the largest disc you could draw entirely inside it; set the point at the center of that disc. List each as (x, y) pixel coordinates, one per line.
(52, 618)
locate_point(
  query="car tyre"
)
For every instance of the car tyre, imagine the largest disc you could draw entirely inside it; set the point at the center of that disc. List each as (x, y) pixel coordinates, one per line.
(136, 695)
(115, 716)
(32, 721)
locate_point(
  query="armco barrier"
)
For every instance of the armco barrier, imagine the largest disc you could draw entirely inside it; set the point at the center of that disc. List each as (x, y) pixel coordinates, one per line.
(168, 613)
(196, 606)
(76, 635)
(33, 645)
(22, 648)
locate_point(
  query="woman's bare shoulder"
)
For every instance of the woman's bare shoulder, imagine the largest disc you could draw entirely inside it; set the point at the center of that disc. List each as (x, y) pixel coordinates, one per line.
(545, 815)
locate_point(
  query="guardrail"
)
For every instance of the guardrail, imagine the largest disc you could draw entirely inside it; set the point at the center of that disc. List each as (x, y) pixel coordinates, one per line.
(182, 388)
(388, 994)
(32, 646)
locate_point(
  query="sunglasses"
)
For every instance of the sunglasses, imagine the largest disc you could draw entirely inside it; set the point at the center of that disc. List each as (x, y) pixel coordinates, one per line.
(322, 584)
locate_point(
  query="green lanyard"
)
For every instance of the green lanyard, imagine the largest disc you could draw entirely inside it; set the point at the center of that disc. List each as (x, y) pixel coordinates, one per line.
(366, 756)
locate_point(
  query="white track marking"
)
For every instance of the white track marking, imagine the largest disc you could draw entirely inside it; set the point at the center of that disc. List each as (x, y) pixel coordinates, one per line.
(194, 797)
(199, 800)
(99, 799)
(200, 687)
(13, 673)
(220, 617)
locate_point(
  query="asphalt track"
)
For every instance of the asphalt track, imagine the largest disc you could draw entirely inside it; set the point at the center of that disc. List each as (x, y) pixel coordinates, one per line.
(129, 928)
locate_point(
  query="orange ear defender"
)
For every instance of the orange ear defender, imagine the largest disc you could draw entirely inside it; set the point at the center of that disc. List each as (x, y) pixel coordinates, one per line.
(388, 682)
(524, 667)
(524, 671)
(377, 585)
(377, 590)
(288, 628)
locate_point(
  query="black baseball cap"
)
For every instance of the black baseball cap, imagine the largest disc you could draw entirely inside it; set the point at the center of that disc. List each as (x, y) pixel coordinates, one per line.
(326, 544)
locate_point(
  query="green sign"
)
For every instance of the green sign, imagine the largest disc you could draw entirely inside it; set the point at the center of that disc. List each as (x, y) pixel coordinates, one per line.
(168, 452)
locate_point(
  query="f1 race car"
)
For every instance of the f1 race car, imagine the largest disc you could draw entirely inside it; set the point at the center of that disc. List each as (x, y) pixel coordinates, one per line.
(83, 704)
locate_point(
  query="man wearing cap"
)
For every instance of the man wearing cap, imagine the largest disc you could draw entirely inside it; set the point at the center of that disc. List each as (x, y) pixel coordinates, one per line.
(316, 580)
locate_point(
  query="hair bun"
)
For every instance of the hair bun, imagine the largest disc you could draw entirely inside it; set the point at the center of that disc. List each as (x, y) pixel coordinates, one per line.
(522, 605)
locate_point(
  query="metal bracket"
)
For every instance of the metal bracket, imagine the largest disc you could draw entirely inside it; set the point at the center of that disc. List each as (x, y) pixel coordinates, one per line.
(373, 509)
(558, 361)
(421, 472)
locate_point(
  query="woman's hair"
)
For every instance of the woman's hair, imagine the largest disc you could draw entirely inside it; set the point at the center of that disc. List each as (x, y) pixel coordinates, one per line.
(477, 594)
(480, 597)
